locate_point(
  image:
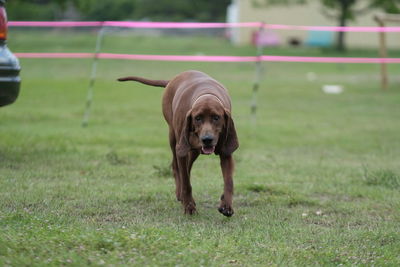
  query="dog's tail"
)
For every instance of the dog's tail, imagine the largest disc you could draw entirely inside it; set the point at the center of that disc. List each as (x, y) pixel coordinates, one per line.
(158, 83)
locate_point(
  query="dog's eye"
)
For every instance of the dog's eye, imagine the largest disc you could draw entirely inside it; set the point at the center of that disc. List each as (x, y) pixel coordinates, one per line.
(197, 118)
(215, 118)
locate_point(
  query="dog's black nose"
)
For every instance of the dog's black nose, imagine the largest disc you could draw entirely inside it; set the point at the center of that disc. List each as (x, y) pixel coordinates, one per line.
(207, 140)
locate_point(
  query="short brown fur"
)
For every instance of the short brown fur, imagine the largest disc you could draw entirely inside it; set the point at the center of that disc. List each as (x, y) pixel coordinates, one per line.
(197, 109)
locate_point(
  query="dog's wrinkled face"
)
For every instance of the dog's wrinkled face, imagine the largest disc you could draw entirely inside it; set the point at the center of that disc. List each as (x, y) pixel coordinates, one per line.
(207, 127)
(207, 124)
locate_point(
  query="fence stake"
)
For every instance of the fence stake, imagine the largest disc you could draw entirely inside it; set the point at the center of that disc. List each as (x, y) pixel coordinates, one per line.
(89, 98)
(259, 70)
(382, 53)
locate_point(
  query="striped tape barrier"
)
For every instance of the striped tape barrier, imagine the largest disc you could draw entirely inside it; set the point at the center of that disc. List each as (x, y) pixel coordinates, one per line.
(202, 58)
(203, 25)
(196, 58)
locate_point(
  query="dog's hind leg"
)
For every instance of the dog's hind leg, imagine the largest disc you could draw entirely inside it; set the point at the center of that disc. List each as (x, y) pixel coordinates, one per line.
(174, 165)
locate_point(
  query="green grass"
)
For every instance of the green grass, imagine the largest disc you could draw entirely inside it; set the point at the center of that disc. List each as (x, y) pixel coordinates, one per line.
(316, 182)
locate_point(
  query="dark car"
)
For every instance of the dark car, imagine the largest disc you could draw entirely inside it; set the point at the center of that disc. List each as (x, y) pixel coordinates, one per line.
(9, 65)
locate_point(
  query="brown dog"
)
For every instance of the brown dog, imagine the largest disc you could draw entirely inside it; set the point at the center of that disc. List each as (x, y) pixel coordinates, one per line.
(197, 109)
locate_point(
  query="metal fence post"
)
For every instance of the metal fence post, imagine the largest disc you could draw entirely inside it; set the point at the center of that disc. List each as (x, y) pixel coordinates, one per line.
(383, 53)
(258, 74)
(89, 98)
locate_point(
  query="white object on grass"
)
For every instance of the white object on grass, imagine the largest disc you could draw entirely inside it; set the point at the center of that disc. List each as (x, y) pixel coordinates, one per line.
(332, 89)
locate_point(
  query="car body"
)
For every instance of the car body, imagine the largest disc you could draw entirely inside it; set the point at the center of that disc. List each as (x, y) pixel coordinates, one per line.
(9, 65)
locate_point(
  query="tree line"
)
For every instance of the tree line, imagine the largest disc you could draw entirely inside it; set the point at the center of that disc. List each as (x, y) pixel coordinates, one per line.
(156, 10)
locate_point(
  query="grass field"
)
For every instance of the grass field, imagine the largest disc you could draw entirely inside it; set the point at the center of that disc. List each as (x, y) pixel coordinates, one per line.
(317, 179)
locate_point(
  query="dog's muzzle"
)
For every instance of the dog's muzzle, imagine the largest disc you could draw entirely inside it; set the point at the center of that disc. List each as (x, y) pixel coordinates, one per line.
(208, 147)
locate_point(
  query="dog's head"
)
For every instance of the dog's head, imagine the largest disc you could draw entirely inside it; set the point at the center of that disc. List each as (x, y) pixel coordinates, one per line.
(208, 126)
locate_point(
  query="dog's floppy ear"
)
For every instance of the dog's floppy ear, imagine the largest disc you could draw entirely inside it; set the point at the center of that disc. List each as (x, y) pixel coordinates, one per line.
(183, 146)
(230, 140)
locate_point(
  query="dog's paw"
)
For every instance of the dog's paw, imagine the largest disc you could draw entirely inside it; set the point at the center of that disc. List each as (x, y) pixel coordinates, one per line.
(190, 208)
(226, 211)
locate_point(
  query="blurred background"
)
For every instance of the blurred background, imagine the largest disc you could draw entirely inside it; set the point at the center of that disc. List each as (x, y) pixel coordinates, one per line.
(290, 12)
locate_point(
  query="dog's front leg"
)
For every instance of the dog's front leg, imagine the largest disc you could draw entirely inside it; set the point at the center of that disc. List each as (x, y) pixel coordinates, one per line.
(227, 167)
(186, 189)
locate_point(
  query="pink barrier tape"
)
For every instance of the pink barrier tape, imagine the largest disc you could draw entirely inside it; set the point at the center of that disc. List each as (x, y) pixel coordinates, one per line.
(332, 28)
(179, 58)
(54, 55)
(139, 24)
(130, 24)
(212, 58)
(55, 23)
(329, 59)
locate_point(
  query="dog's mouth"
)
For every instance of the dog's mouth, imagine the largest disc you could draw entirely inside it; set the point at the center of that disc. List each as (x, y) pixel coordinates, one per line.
(207, 150)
